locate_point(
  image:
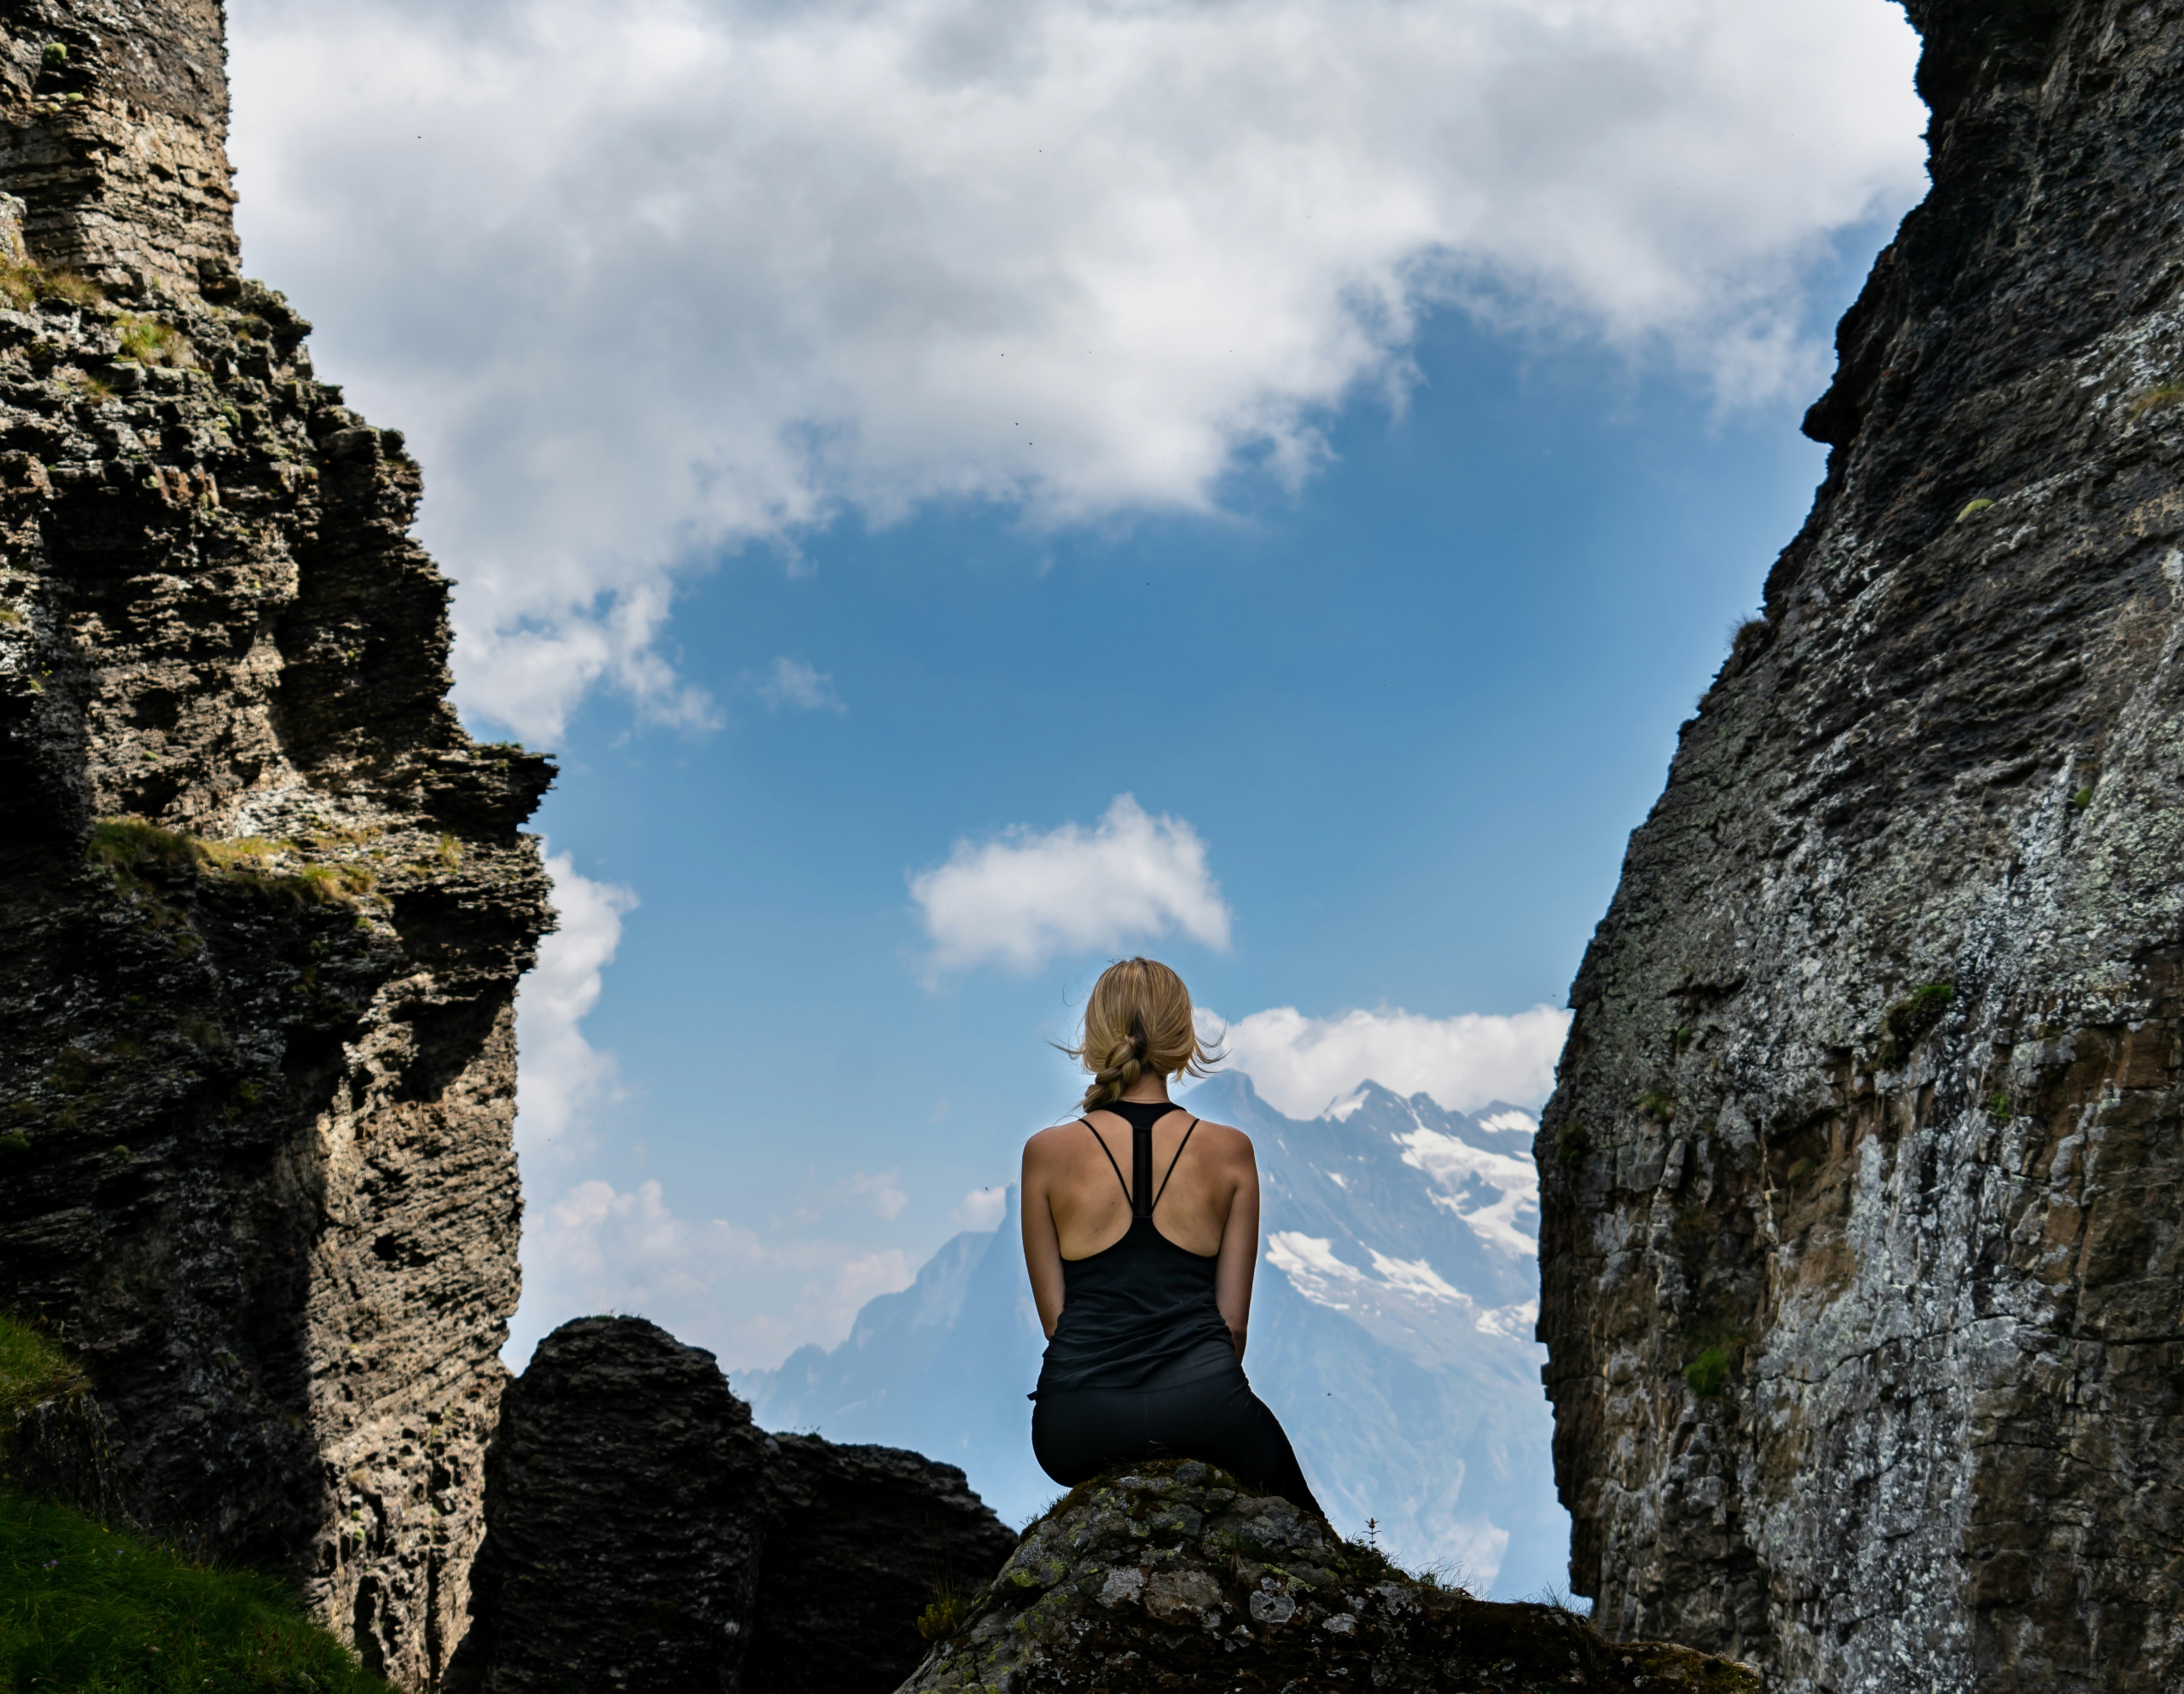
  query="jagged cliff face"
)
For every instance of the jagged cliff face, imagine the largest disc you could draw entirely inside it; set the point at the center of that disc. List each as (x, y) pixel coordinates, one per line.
(262, 903)
(1861, 1185)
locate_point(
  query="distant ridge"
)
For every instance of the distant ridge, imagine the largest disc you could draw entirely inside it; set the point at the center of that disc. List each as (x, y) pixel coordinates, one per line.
(1390, 1329)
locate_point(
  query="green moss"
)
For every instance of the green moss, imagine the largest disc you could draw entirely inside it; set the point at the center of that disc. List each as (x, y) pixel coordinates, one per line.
(1572, 1144)
(1708, 1374)
(2154, 399)
(944, 1615)
(1998, 1106)
(1973, 507)
(14, 1141)
(2081, 799)
(1907, 1022)
(33, 1367)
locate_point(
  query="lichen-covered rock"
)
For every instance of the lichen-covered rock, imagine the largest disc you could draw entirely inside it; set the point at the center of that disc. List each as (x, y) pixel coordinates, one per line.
(1863, 1187)
(1170, 1577)
(263, 902)
(861, 1541)
(625, 1505)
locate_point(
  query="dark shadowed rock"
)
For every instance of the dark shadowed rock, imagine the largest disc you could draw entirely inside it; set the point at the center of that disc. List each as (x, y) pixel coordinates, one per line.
(641, 1534)
(864, 1540)
(624, 1508)
(1171, 1578)
(263, 902)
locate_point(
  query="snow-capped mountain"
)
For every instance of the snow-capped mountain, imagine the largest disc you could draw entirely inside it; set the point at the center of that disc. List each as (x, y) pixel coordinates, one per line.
(1391, 1331)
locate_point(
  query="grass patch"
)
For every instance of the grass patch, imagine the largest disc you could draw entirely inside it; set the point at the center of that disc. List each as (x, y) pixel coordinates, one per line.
(110, 1611)
(1998, 1106)
(150, 342)
(1657, 1104)
(1907, 1022)
(1708, 1374)
(1572, 1144)
(2081, 799)
(1972, 508)
(128, 845)
(32, 1369)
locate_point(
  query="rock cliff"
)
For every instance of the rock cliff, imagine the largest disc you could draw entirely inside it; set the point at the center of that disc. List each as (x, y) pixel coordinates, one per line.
(1172, 1577)
(643, 1534)
(1863, 1183)
(263, 902)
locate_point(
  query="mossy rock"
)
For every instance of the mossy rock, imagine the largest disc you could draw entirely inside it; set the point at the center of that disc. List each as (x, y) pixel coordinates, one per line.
(1173, 1576)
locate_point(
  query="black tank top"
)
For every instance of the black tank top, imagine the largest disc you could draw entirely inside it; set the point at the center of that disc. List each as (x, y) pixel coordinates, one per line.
(1130, 1311)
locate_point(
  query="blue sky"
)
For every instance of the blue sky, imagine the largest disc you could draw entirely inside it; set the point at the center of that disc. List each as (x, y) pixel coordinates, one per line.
(1376, 546)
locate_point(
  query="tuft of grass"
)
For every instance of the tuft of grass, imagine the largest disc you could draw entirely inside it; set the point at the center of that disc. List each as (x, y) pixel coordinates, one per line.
(450, 852)
(67, 285)
(1907, 1022)
(1971, 507)
(1998, 1106)
(1572, 1144)
(2081, 799)
(150, 342)
(945, 1614)
(133, 843)
(2154, 399)
(14, 1141)
(1801, 1170)
(31, 1368)
(1657, 1104)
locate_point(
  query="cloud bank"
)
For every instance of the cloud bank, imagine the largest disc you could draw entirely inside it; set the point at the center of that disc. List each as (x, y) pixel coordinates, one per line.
(1023, 898)
(564, 1081)
(1301, 1065)
(644, 279)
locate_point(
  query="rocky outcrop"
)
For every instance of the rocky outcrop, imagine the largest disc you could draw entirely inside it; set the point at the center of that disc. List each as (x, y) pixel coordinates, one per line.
(1173, 1577)
(644, 1534)
(862, 1542)
(263, 902)
(1863, 1186)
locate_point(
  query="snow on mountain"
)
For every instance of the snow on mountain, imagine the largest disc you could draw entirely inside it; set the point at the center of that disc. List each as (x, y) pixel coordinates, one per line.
(1391, 1331)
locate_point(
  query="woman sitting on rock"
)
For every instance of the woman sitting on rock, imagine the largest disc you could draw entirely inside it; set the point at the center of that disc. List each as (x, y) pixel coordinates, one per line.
(1144, 1319)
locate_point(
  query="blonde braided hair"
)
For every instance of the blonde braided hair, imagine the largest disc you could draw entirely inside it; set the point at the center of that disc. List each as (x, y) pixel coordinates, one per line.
(1137, 1021)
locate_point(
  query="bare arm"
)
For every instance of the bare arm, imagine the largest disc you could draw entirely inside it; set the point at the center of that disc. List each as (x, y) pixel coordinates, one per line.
(1042, 1246)
(1240, 1252)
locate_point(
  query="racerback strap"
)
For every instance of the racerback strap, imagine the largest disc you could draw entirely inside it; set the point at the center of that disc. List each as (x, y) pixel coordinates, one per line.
(1140, 1164)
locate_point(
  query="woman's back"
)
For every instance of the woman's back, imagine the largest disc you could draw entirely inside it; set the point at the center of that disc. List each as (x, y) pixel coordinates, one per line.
(1085, 1174)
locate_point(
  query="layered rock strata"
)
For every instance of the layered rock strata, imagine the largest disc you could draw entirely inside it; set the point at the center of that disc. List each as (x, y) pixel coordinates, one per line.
(1173, 1577)
(1863, 1186)
(263, 902)
(644, 1534)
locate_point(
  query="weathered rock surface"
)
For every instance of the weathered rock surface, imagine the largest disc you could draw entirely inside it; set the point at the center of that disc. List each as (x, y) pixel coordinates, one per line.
(1863, 1187)
(643, 1534)
(862, 1541)
(1170, 1577)
(262, 903)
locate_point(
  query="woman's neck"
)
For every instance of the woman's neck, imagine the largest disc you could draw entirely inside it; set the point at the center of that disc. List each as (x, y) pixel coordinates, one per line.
(1147, 1090)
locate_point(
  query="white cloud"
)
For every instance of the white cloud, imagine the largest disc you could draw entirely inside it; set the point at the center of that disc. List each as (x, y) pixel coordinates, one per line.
(751, 1298)
(1299, 1064)
(792, 683)
(880, 1194)
(643, 278)
(981, 1209)
(1023, 898)
(563, 1080)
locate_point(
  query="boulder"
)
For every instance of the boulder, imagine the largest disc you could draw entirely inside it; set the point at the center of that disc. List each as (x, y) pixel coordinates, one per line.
(1172, 1577)
(863, 1541)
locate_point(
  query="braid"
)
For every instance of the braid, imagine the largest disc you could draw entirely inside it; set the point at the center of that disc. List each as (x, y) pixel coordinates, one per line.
(1137, 1023)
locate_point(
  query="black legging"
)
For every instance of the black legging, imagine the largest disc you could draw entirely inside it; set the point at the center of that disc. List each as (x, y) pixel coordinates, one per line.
(1078, 1433)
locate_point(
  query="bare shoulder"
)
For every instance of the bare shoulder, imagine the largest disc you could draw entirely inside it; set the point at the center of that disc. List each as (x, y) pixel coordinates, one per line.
(1224, 1141)
(1049, 1143)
